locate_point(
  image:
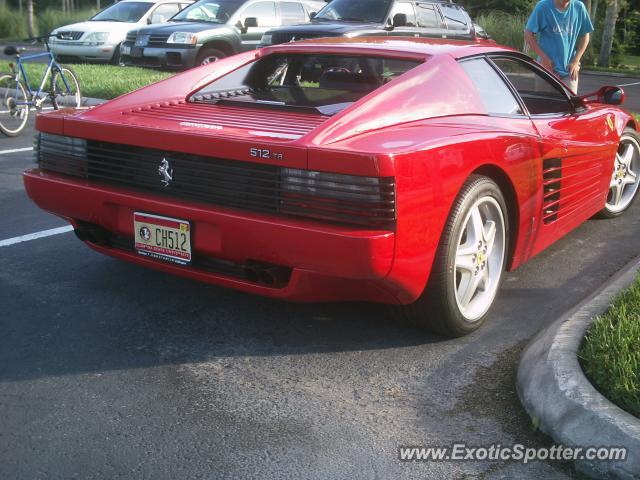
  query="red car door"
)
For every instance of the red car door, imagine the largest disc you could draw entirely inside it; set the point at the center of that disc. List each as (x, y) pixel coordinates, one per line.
(577, 150)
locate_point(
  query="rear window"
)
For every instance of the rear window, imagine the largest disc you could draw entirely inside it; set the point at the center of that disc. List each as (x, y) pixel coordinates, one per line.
(327, 83)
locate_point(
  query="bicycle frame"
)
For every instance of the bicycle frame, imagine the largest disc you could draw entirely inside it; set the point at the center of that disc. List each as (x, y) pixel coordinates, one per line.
(52, 63)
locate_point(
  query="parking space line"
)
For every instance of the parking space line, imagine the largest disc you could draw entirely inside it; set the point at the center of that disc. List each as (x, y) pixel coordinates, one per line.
(16, 150)
(629, 84)
(35, 236)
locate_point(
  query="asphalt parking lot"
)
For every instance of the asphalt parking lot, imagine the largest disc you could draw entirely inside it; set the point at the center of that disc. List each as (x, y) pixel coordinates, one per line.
(109, 370)
(591, 81)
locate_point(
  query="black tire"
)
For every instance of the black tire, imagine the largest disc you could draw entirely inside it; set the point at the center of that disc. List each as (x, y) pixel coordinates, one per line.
(117, 57)
(630, 191)
(207, 53)
(13, 117)
(60, 97)
(438, 308)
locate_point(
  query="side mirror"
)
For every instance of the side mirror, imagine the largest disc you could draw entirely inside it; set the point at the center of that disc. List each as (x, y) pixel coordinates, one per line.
(611, 95)
(399, 20)
(608, 95)
(313, 14)
(250, 22)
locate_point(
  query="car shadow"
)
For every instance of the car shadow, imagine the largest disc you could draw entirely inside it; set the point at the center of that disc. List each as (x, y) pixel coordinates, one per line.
(68, 310)
(111, 315)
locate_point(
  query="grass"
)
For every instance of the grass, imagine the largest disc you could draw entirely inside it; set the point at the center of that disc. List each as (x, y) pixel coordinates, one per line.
(610, 353)
(102, 81)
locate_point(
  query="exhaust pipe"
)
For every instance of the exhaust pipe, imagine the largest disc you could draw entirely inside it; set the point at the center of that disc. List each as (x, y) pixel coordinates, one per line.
(267, 274)
(89, 232)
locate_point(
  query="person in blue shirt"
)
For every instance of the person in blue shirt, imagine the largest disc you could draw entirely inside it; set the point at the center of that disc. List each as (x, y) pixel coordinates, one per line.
(558, 31)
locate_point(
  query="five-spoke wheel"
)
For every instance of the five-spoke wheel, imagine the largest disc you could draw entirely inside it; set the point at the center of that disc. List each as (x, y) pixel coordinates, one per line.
(469, 263)
(479, 258)
(625, 177)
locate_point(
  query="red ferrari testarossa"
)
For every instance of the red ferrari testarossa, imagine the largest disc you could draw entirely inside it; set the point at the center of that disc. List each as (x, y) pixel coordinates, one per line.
(411, 172)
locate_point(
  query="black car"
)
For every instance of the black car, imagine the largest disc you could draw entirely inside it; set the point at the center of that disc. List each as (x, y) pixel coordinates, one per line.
(212, 29)
(357, 18)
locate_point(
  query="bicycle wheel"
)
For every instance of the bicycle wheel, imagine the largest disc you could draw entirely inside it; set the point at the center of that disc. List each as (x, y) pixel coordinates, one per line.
(65, 88)
(14, 111)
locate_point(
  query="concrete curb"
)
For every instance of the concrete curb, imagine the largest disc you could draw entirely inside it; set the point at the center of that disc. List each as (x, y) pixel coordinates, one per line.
(86, 101)
(555, 391)
(609, 74)
(91, 102)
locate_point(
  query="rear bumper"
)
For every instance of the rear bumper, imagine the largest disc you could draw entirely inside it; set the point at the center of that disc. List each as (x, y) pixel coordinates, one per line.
(327, 263)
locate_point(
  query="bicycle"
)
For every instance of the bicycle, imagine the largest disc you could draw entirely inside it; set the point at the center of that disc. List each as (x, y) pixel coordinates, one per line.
(17, 98)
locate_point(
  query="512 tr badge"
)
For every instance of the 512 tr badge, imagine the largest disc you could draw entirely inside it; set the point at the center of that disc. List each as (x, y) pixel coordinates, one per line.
(265, 154)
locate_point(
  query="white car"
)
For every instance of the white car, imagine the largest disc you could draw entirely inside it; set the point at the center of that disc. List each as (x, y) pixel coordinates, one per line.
(99, 38)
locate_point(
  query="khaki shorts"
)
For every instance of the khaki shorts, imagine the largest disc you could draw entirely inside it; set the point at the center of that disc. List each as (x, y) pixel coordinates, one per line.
(572, 84)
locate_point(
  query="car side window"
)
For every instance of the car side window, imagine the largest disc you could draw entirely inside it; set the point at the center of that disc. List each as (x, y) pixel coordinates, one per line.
(456, 18)
(540, 95)
(428, 17)
(495, 94)
(407, 9)
(164, 12)
(264, 12)
(292, 13)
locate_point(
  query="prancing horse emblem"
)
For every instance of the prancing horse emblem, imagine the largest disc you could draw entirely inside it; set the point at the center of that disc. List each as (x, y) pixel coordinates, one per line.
(166, 172)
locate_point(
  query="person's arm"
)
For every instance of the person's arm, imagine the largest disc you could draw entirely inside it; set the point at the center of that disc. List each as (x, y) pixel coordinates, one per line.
(574, 65)
(530, 38)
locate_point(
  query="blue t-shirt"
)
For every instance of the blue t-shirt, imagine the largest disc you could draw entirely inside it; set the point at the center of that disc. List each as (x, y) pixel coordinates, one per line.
(557, 32)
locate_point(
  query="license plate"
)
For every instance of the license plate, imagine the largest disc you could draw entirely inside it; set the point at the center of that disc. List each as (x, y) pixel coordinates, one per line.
(163, 238)
(137, 51)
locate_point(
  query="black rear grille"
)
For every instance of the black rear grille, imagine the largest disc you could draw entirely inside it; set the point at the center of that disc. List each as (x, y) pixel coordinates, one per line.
(69, 35)
(364, 201)
(222, 182)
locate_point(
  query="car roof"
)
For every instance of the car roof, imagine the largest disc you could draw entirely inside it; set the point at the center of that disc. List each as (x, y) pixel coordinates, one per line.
(398, 45)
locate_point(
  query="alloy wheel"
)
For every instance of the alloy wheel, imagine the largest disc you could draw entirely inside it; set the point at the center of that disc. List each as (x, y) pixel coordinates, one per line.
(624, 180)
(479, 258)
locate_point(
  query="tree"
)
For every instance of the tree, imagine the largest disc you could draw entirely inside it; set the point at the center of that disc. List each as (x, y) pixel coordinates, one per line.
(30, 28)
(609, 30)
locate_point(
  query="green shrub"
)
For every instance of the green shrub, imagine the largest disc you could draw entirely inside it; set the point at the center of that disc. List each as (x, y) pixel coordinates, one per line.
(504, 28)
(52, 18)
(12, 24)
(478, 7)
